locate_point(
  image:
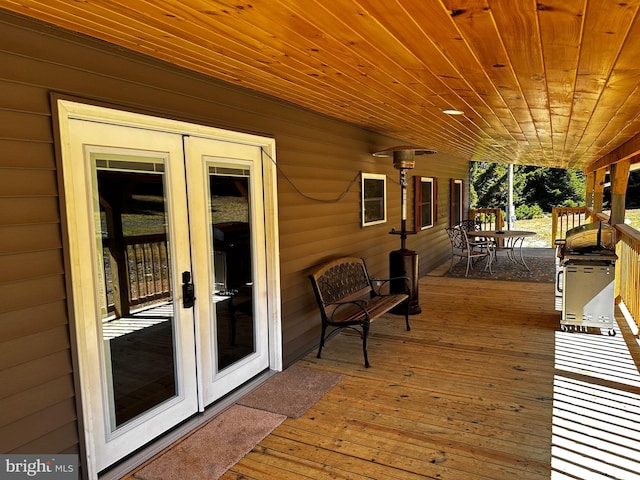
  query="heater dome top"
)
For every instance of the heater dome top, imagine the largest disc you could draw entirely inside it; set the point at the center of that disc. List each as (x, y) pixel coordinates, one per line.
(388, 152)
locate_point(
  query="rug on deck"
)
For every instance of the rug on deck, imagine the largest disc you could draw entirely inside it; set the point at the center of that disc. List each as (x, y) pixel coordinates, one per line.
(291, 392)
(542, 270)
(215, 447)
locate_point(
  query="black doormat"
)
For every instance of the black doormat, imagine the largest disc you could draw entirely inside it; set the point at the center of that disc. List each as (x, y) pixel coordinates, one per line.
(541, 269)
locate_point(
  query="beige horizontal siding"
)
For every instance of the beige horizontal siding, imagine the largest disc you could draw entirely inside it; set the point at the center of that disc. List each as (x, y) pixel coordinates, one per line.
(26, 154)
(27, 182)
(22, 266)
(30, 237)
(23, 97)
(26, 126)
(28, 210)
(34, 372)
(36, 393)
(61, 437)
(26, 293)
(37, 317)
(21, 406)
(38, 425)
(20, 351)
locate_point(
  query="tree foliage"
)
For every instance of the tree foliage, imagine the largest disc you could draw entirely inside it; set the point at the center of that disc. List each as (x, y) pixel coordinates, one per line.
(633, 190)
(541, 186)
(632, 198)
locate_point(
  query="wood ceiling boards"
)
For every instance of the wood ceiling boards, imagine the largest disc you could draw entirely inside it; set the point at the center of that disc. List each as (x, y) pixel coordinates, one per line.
(550, 83)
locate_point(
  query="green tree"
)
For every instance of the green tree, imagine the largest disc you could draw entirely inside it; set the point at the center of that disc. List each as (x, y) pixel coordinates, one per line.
(553, 187)
(633, 190)
(489, 184)
(532, 186)
(632, 197)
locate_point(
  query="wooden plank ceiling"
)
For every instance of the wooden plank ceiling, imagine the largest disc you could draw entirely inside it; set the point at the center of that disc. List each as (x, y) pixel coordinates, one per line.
(550, 83)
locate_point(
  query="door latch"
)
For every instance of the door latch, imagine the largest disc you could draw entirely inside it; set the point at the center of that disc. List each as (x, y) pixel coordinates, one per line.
(188, 292)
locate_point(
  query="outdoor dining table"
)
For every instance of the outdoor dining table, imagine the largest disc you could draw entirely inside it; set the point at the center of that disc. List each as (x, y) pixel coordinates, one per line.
(512, 241)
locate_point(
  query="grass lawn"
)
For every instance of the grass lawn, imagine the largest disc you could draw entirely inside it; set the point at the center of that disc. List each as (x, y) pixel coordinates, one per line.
(542, 227)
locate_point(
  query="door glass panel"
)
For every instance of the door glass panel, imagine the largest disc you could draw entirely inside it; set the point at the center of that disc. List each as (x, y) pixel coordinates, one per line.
(136, 301)
(230, 225)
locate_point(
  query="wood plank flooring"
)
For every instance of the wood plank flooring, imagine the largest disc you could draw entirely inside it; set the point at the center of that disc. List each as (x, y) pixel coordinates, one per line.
(466, 394)
(474, 391)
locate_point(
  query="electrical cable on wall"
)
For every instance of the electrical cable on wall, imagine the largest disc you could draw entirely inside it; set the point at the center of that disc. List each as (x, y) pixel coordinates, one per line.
(340, 197)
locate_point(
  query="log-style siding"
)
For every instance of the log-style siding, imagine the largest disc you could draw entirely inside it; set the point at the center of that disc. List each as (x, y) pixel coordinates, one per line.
(319, 155)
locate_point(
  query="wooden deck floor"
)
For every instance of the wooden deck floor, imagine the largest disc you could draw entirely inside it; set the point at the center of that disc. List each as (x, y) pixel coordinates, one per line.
(468, 393)
(484, 386)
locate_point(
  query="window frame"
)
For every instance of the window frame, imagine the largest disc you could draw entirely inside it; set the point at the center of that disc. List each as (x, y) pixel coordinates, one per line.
(456, 216)
(366, 199)
(419, 202)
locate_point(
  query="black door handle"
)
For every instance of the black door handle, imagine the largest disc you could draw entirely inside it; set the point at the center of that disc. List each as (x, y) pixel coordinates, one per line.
(188, 292)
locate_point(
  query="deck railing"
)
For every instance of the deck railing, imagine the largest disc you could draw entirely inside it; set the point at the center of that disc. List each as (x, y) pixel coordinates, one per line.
(147, 264)
(628, 269)
(566, 218)
(489, 218)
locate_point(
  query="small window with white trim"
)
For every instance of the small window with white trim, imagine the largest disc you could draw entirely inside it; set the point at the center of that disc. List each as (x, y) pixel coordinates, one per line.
(374, 199)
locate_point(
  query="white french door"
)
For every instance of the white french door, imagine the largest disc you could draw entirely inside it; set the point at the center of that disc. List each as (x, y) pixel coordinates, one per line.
(172, 271)
(229, 261)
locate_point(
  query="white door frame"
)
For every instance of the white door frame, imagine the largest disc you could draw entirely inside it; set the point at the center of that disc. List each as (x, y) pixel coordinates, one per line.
(69, 110)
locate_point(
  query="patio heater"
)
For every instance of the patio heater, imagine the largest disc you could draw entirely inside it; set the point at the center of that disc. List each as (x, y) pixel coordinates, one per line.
(404, 262)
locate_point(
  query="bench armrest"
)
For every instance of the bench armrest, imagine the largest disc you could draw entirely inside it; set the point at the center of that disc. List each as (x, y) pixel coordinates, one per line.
(360, 304)
(381, 282)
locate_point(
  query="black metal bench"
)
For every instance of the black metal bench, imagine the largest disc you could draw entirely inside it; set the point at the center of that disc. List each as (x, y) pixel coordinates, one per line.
(349, 298)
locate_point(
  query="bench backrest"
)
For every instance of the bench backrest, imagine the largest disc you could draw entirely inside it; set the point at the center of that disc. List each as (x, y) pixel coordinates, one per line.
(343, 279)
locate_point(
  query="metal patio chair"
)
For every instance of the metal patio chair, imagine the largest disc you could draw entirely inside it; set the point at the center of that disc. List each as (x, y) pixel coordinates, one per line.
(471, 226)
(470, 249)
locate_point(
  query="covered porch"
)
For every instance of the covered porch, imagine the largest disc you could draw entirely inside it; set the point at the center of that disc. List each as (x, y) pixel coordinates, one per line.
(469, 391)
(485, 385)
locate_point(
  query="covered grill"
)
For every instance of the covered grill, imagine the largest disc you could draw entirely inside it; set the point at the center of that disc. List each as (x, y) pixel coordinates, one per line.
(585, 275)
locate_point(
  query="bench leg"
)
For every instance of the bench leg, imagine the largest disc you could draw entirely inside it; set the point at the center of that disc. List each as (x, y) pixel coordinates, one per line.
(324, 330)
(406, 313)
(365, 334)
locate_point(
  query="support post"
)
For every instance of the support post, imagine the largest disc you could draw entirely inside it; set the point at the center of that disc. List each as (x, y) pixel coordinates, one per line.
(589, 188)
(619, 179)
(511, 214)
(117, 254)
(598, 189)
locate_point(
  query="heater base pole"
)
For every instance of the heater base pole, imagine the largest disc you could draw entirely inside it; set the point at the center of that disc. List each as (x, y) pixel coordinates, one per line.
(404, 263)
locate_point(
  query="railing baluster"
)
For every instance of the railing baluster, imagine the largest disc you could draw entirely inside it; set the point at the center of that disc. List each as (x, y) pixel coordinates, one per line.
(565, 218)
(490, 218)
(139, 275)
(154, 268)
(166, 291)
(147, 262)
(145, 270)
